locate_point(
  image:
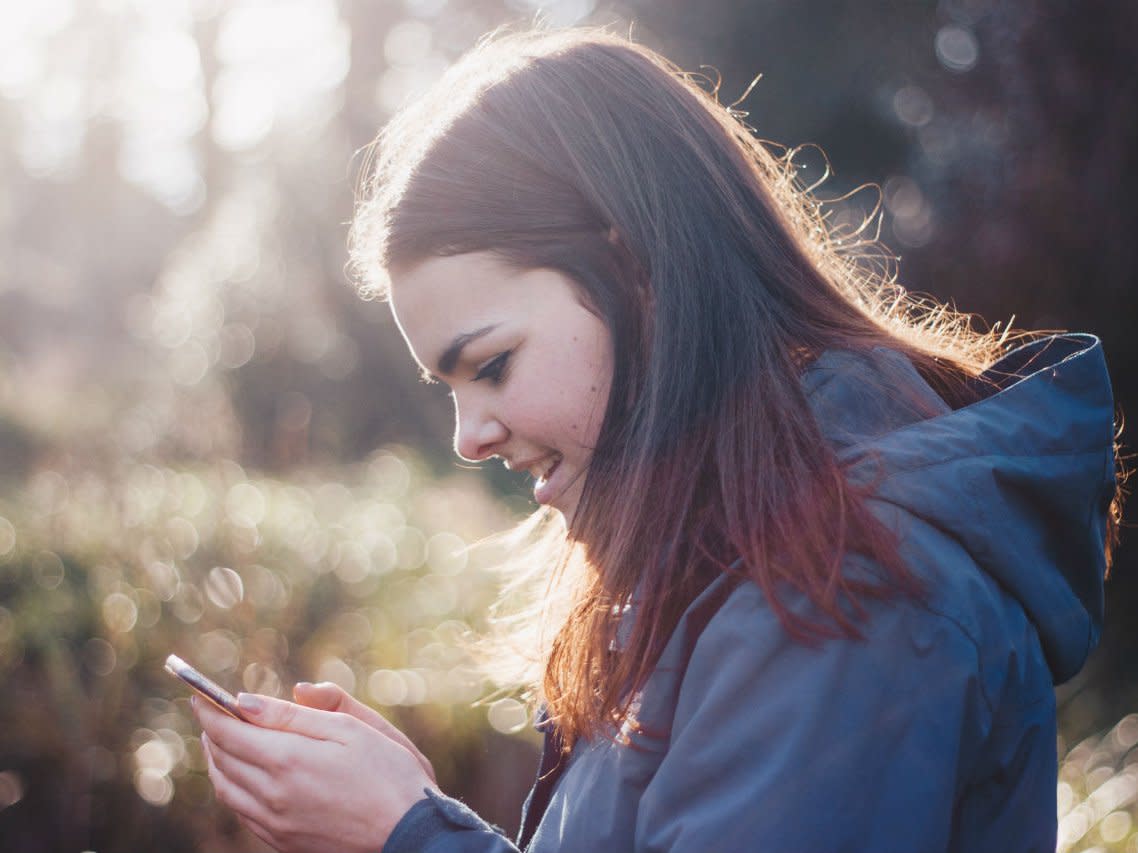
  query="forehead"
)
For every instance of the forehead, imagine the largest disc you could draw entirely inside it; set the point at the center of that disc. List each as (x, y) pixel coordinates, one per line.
(436, 284)
(446, 295)
(438, 299)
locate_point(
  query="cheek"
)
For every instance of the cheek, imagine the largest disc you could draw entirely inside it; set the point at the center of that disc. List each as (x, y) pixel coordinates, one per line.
(589, 403)
(561, 411)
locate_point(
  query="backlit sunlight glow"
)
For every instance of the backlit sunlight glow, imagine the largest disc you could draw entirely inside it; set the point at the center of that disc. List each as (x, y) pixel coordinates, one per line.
(280, 62)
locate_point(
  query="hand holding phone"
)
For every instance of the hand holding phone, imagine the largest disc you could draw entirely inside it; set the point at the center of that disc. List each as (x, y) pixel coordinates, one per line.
(204, 686)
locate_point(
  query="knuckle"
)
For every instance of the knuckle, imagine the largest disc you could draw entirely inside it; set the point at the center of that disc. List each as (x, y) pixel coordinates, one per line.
(287, 763)
(288, 715)
(276, 800)
(277, 763)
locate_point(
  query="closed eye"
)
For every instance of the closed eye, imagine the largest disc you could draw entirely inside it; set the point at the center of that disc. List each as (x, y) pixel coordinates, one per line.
(495, 368)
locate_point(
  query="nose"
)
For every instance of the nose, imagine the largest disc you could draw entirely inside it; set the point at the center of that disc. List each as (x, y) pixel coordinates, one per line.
(477, 432)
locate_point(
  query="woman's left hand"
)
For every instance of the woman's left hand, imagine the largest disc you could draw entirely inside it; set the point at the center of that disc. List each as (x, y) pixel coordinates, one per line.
(306, 780)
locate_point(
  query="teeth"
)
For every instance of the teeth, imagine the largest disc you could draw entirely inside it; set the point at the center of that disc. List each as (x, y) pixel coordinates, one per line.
(542, 473)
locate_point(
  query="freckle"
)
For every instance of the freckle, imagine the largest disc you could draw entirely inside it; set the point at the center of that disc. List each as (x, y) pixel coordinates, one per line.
(592, 387)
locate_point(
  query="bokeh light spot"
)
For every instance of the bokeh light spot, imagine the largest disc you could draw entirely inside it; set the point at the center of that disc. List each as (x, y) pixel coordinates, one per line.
(354, 563)
(119, 612)
(163, 579)
(436, 594)
(508, 715)
(1126, 731)
(335, 670)
(48, 569)
(416, 686)
(1115, 827)
(390, 474)
(154, 787)
(957, 48)
(7, 537)
(218, 651)
(99, 656)
(384, 554)
(259, 678)
(238, 345)
(411, 548)
(913, 106)
(387, 687)
(245, 505)
(224, 587)
(353, 630)
(183, 537)
(154, 755)
(11, 788)
(265, 589)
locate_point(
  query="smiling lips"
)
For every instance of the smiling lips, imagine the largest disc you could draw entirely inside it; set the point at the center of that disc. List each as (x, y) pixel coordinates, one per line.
(542, 470)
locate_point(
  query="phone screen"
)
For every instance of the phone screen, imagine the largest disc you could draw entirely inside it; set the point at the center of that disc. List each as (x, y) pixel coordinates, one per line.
(212, 691)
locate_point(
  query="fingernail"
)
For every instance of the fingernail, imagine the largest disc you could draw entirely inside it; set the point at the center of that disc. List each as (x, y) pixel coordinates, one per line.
(249, 703)
(304, 684)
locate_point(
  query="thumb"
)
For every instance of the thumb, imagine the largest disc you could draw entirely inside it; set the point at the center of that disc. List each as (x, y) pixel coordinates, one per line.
(325, 696)
(332, 697)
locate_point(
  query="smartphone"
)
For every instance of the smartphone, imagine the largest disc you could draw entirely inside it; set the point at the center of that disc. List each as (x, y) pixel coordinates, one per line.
(212, 691)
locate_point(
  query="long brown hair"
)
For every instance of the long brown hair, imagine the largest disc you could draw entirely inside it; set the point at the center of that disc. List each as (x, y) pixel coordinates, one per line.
(719, 282)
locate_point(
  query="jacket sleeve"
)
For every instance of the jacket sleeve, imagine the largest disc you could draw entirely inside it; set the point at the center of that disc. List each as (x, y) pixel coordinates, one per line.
(440, 824)
(850, 745)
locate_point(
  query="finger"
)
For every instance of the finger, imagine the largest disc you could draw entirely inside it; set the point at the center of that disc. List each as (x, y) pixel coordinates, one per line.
(212, 719)
(229, 793)
(253, 744)
(331, 697)
(242, 802)
(279, 715)
(327, 696)
(255, 778)
(261, 832)
(221, 727)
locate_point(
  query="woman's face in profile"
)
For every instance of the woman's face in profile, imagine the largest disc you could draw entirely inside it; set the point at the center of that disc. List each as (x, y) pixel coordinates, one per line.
(529, 366)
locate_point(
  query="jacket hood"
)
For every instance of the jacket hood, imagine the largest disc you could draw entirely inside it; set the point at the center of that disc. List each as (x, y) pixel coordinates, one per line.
(1023, 478)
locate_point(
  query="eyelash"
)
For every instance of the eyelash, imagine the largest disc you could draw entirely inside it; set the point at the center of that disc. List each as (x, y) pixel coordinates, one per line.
(495, 368)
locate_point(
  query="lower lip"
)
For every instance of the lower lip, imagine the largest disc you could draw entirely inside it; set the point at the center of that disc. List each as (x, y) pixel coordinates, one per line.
(545, 490)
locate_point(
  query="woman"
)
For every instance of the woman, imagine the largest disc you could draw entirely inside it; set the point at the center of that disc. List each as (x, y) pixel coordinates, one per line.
(823, 552)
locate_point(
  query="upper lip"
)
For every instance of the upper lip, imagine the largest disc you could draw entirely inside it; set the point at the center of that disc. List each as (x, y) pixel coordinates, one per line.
(538, 467)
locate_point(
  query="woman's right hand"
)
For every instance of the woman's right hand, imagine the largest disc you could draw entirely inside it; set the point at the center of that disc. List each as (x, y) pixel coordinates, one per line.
(327, 696)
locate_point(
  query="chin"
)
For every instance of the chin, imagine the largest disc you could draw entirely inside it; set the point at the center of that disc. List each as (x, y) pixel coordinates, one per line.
(567, 508)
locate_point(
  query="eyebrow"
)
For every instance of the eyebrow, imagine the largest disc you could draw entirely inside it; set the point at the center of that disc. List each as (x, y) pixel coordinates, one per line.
(452, 353)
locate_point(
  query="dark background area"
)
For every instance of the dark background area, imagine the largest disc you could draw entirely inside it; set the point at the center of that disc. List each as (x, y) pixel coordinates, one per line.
(209, 445)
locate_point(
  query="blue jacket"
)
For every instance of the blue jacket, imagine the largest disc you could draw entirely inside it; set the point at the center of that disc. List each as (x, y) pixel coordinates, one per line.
(937, 730)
